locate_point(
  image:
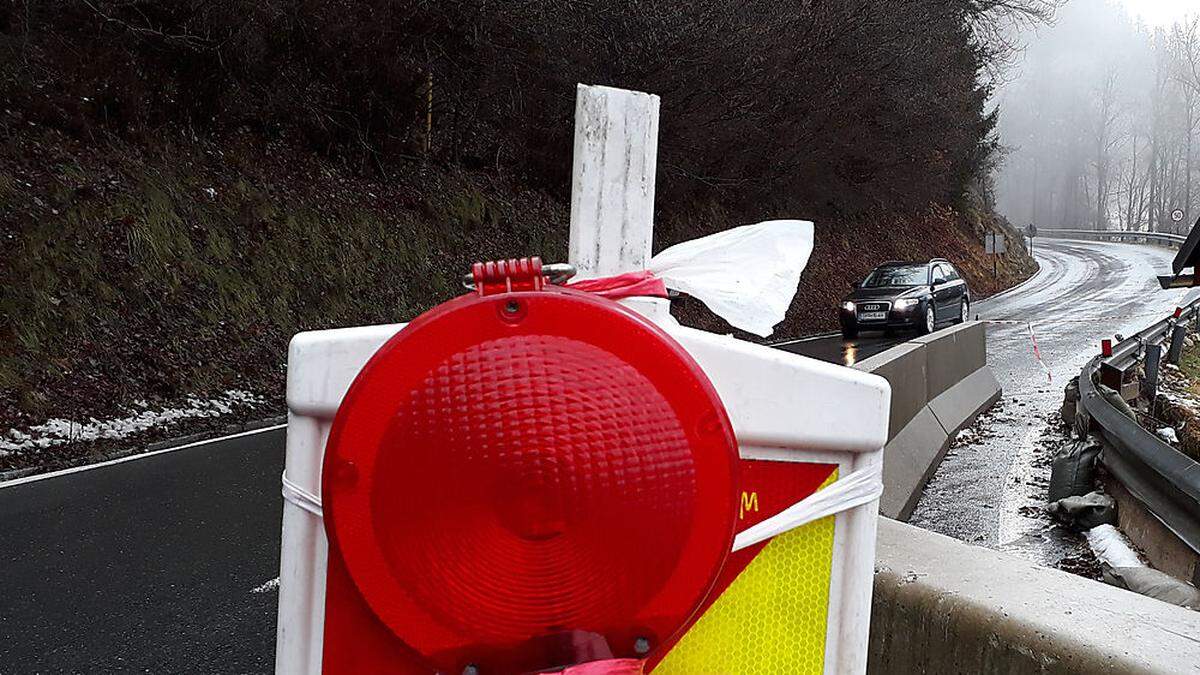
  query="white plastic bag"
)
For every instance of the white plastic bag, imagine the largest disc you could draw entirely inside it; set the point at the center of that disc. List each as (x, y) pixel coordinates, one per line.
(747, 276)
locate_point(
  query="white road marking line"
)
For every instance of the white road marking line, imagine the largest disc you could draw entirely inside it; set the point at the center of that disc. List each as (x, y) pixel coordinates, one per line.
(129, 458)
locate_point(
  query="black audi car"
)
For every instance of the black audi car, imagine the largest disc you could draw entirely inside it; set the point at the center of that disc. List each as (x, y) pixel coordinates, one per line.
(899, 295)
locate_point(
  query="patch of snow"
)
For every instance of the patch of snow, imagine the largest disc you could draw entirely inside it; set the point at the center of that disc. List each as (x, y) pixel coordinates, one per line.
(59, 431)
(1168, 434)
(1180, 398)
(1111, 547)
(267, 587)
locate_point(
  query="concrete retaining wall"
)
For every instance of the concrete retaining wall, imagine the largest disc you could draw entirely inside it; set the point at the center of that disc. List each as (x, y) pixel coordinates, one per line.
(942, 606)
(940, 384)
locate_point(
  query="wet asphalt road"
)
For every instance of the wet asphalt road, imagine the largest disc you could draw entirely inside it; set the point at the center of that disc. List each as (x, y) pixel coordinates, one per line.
(148, 565)
(990, 489)
(834, 349)
(145, 566)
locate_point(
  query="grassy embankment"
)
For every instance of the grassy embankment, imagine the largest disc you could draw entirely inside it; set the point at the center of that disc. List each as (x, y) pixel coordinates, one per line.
(137, 273)
(1179, 399)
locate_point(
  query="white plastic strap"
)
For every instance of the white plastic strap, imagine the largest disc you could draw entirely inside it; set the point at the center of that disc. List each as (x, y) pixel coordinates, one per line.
(297, 495)
(855, 489)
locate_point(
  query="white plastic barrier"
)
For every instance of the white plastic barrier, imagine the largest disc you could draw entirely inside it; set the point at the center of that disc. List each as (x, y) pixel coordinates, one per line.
(783, 408)
(797, 603)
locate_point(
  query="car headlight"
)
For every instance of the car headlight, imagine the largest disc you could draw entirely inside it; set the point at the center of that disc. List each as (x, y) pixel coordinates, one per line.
(907, 303)
(848, 306)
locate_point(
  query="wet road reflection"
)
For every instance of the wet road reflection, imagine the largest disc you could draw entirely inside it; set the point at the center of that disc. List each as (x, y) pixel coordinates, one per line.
(834, 349)
(990, 489)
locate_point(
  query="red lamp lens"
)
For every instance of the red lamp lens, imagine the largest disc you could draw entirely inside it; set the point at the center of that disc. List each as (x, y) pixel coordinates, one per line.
(528, 473)
(510, 480)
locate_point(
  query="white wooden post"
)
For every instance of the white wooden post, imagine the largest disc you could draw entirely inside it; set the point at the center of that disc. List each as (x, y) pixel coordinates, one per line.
(612, 188)
(612, 228)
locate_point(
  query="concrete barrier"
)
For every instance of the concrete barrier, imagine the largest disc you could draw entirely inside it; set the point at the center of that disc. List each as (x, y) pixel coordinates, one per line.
(940, 384)
(942, 606)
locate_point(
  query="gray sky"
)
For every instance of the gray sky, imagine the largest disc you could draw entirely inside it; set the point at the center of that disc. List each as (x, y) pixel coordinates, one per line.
(1101, 119)
(1162, 12)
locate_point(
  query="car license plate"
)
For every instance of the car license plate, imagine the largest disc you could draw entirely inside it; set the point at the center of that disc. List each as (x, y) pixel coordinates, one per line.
(872, 316)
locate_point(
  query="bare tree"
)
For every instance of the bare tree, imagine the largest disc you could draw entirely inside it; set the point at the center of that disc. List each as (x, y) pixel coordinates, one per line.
(1105, 137)
(1134, 92)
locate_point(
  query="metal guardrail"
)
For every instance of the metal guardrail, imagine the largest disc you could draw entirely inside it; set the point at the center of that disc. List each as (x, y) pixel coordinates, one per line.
(1162, 478)
(1116, 235)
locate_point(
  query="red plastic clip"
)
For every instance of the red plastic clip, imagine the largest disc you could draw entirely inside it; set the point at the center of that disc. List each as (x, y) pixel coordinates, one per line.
(1106, 348)
(506, 276)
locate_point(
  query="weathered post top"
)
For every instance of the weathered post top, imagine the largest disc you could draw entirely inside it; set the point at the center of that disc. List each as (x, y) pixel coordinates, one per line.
(612, 190)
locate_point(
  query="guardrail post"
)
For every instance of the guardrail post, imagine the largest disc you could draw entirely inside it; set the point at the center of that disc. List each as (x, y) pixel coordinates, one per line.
(1177, 336)
(1153, 360)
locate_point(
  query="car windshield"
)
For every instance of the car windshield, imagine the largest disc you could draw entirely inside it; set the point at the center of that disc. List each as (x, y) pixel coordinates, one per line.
(905, 275)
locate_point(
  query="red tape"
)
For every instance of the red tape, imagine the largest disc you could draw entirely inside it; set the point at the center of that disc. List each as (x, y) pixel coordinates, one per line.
(629, 285)
(608, 667)
(1037, 353)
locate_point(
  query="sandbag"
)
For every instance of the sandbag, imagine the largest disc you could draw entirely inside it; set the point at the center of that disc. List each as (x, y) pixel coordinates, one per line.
(1086, 512)
(1111, 547)
(1155, 584)
(1070, 401)
(1114, 399)
(1071, 471)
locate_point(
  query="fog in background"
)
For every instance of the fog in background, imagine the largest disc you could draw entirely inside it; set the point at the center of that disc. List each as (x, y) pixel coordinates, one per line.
(1099, 116)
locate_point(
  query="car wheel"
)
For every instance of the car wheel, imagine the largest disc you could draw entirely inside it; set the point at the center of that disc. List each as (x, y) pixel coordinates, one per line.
(964, 311)
(930, 323)
(849, 332)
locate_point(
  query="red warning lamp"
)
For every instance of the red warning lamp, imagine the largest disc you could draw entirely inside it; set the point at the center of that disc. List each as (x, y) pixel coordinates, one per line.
(522, 479)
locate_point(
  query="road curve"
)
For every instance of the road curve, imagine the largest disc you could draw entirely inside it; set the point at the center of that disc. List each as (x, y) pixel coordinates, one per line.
(149, 565)
(1077, 281)
(990, 489)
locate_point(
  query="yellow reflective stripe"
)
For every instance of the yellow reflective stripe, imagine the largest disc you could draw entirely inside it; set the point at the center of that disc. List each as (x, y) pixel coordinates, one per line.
(772, 619)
